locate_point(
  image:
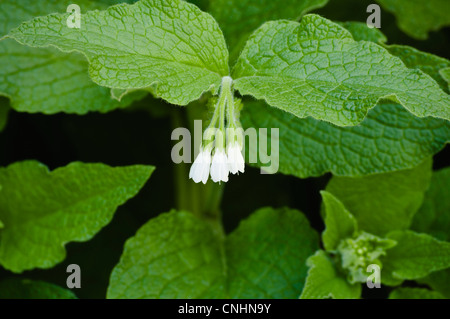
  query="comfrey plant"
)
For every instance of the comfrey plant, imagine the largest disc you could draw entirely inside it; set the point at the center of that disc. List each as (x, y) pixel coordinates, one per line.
(343, 109)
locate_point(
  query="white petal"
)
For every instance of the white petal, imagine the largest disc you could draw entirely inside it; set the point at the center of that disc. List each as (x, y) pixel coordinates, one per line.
(235, 159)
(219, 167)
(199, 171)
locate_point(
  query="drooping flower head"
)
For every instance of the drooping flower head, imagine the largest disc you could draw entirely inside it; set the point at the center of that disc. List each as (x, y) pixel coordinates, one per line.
(226, 148)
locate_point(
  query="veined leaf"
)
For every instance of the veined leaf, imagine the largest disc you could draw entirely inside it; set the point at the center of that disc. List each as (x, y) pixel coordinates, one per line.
(325, 281)
(239, 18)
(47, 80)
(168, 45)
(415, 255)
(426, 62)
(15, 288)
(339, 222)
(417, 17)
(177, 255)
(413, 58)
(389, 139)
(42, 211)
(383, 202)
(315, 68)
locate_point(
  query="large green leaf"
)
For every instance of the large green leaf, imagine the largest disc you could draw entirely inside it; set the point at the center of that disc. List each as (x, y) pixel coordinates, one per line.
(239, 18)
(389, 139)
(177, 255)
(16, 288)
(415, 255)
(339, 222)
(383, 202)
(418, 17)
(325, 281)
(315, 68)
(433, 216)
(42, 211)
(169, 46)
(414, 293)
(47, 80)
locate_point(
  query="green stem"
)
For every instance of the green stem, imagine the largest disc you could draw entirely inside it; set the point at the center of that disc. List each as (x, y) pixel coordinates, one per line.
(202, 200)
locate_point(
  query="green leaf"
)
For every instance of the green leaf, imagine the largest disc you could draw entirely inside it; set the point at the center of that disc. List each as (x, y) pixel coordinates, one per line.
(16, 288)
(239, 18)
(383, 202)
(426, 62)
(433, 216)
(339, 222)
(325, 281)
(315, 68)
(438, 281)
(389, 139)
(47, 80)
(177, 255)
(359, 252)
(413, 58)
(42, 211)
(169, 46)
(360, 31)
(4, 111)
(414, 293)
(416, 255)
(445, 73)
(418, 17)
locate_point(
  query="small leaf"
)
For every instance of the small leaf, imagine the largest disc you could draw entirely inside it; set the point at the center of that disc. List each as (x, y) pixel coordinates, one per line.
(177, 255)
(42, 211)
(15, 288)
(315, 68)
(389, 139)
(339, 222)
(324, 280)
(416, 255)
(383, 202)
(168, 45)
(414, 293)
(417, 17)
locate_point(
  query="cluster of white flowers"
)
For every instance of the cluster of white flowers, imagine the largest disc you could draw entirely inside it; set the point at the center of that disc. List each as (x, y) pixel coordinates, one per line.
(225, 160)
(220, 166)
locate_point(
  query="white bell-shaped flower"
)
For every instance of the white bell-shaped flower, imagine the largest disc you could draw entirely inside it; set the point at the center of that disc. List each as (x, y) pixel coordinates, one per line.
(219, 166)
(200, 168)
(236, 161)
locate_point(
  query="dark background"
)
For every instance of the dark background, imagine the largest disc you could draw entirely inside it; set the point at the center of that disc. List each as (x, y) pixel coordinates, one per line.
(139, 136)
